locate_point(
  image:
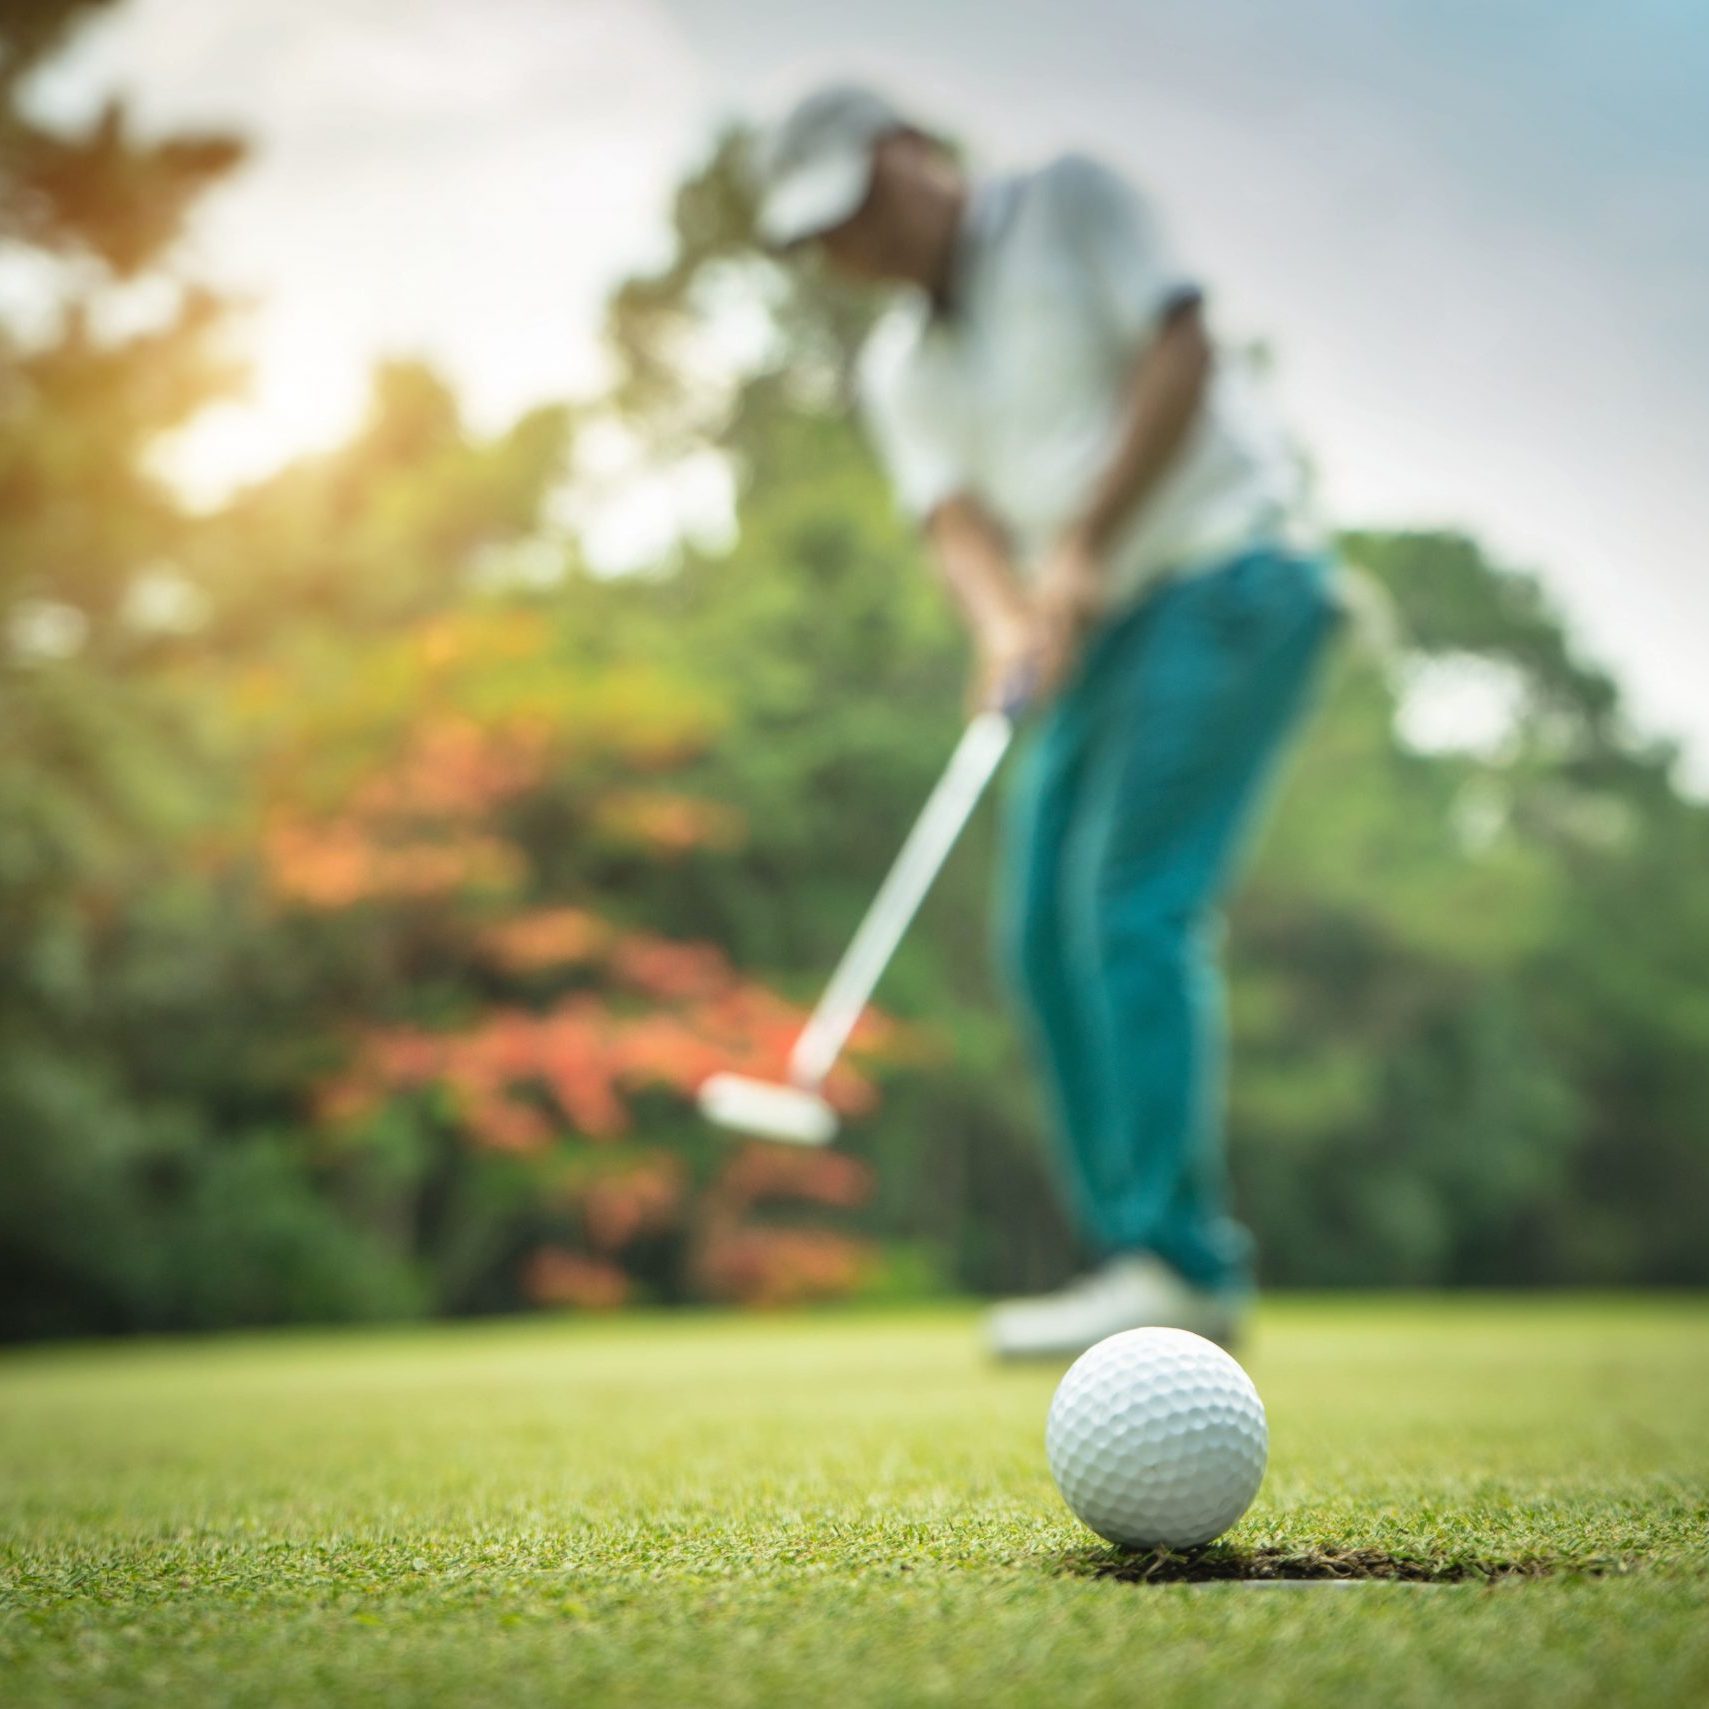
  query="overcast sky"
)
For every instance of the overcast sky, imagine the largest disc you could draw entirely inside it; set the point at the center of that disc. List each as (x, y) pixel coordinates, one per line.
(1476, 232)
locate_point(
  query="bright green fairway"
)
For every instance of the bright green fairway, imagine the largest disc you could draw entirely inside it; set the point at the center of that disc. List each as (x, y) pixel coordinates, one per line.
(845, 1509)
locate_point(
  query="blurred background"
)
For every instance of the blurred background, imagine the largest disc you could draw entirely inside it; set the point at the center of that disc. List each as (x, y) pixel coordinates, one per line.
(462, 675)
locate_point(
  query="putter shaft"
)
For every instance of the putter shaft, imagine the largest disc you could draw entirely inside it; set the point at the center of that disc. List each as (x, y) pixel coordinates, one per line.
(951, 803)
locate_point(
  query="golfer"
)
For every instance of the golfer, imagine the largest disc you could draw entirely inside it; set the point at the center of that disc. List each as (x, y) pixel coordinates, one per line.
(1118, 519)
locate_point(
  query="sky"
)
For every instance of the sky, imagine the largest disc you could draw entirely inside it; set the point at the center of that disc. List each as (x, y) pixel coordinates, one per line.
(1475, 233)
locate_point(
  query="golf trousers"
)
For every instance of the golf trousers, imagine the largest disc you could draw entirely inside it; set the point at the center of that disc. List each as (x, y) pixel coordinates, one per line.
(1127, 809)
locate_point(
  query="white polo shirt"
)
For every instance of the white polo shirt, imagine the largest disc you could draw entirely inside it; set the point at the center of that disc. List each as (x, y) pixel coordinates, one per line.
(1016, 395)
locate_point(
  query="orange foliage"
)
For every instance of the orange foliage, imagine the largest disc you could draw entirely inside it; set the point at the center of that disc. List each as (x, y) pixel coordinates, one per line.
(338, 863)
(455, 768)
(577, 1052)
(758, 1172)
(414, 829)
(646, 1199)
(584, 1060)
(750, 1264)
(670, 970)
(580, 1053)
(386, 785)
(544, 938)
(504, 1124)
(449, 721)
(584, 1056)
(666, 823)
(556, 1276)
(780, 1266)
(568, 1052)
(667, 1050)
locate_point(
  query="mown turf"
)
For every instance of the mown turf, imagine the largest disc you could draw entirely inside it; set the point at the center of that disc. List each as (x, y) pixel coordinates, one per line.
(850, 1510)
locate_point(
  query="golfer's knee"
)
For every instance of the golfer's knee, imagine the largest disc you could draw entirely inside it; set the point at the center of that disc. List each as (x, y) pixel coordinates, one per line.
(1144, 913)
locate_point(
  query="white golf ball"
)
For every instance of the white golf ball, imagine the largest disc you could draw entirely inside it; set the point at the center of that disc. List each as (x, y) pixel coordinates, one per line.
(1157, 1439)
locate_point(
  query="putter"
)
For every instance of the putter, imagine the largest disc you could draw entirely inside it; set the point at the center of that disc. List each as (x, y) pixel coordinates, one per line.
(795, 1111)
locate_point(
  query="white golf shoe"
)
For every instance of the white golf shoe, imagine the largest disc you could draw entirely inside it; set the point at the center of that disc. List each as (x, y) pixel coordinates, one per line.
(1138, 1291)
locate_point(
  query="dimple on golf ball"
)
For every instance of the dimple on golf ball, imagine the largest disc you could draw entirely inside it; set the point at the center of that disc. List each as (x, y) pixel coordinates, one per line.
(1157, 1439)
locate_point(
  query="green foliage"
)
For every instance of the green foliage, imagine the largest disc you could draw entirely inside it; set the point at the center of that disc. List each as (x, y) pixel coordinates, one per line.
(145, 1184)
(1471, 1040)
(259, 1247)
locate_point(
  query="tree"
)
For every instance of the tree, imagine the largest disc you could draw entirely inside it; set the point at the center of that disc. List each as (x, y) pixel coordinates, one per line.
(378, 880)
(95, 758)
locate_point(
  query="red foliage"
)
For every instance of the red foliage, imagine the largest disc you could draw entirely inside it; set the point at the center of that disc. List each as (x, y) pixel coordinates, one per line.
(570, 1052)
(585, 1057)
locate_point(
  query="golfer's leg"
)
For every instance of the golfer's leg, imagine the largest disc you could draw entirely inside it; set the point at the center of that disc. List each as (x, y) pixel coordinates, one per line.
(1031, 946)
(1191, 721)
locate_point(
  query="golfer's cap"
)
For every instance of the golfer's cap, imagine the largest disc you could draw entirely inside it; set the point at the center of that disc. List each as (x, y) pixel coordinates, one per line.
(814, 166)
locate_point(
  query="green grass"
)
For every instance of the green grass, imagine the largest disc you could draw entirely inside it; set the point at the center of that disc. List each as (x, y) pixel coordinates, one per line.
(846, 1509)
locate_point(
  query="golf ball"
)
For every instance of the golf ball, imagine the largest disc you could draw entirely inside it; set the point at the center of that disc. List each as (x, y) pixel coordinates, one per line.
(1157, 1439)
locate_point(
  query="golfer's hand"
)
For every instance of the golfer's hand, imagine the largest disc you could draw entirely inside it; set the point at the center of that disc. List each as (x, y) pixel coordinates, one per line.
(1070, 604)
(1004, 655)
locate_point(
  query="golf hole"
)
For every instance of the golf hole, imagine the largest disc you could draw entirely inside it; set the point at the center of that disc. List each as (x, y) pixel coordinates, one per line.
(1281, 1567)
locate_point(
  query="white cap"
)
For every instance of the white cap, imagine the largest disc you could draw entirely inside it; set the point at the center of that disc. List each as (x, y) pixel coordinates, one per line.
(813, 168)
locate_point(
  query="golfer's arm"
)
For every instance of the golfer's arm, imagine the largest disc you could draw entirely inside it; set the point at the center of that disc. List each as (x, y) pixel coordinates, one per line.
(972, 556)
(1168, 386)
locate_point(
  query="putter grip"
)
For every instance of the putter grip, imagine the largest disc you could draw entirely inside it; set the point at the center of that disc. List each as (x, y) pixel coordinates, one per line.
(1018, 692)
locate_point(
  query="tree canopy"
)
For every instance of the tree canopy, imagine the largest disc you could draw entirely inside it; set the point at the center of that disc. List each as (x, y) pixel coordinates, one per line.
(378, 878)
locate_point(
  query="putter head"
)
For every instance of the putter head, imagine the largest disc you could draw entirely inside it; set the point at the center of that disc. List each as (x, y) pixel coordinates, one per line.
(768, 1110)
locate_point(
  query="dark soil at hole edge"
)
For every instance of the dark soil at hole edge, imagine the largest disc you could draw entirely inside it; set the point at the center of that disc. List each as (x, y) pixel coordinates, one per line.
(1209, 1565)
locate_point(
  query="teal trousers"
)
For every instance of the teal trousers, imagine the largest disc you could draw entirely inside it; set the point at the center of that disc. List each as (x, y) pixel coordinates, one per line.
(1127, 808)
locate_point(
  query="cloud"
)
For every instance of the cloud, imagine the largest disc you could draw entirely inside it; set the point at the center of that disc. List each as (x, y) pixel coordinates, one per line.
(429, 177)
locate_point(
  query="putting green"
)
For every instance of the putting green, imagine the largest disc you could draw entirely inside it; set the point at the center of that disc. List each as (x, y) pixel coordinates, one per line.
(852, 1508)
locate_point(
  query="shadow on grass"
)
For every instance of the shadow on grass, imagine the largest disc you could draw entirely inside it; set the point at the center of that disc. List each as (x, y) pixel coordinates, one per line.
(1312, 1566)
